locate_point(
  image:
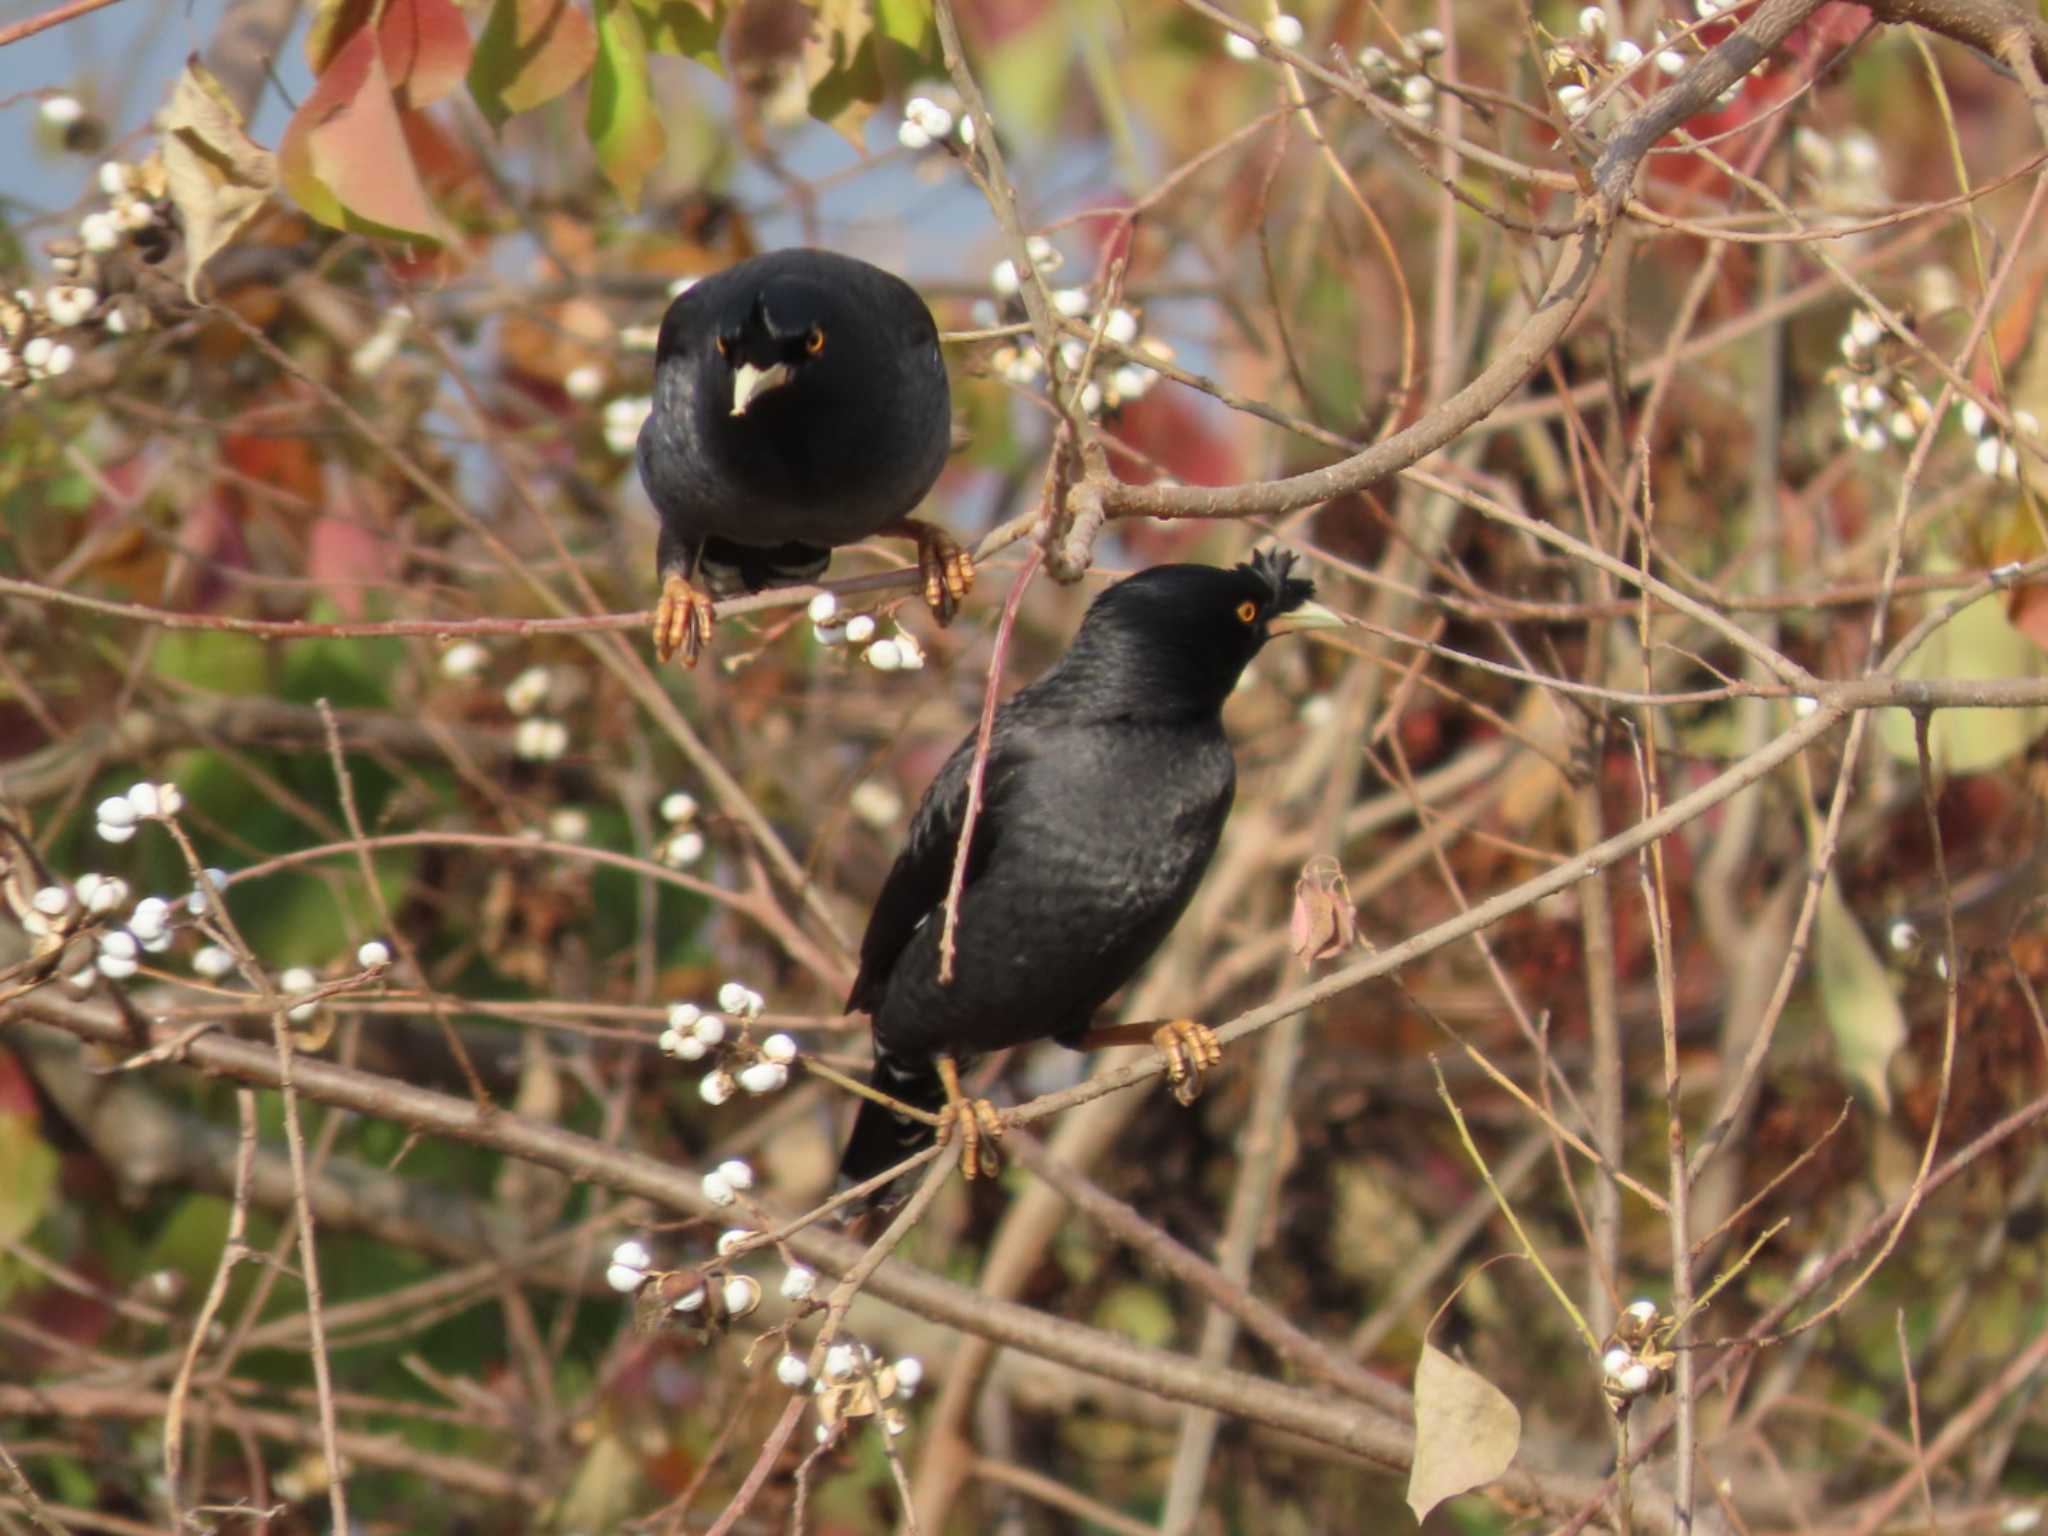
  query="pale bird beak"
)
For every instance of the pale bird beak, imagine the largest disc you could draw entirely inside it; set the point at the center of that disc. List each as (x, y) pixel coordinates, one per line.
(749, 382)
(1307, 616)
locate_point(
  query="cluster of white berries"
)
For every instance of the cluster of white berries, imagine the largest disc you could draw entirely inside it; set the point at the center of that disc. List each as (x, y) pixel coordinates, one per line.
(876, 804)
(1845, 171)
(1579, 66)
(1877, 412)
(855, 1384)
(1995, 454)
(56, 911)
(1122, 378)
(465, 661)
(934, 116)
(119, 815)
(684, 844)
(630, 1265)
(623, 415)
(373, 356)
(695, 1034)
(1904, 937)
(371, 955)
(622, 421)
(537, 738)
(724, 1185)
(1283, 30)
(897, 652)
(1632, 1364)
(1404, 73)
(33, 322)
(1879, 405)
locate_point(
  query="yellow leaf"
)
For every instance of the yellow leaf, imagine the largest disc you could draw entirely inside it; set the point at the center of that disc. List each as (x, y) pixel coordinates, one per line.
(217, 176)
(1979, 642)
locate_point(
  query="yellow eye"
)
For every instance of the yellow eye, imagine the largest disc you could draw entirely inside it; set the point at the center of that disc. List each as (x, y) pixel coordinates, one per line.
(814, 343)
(1247, 611)
(725, 348)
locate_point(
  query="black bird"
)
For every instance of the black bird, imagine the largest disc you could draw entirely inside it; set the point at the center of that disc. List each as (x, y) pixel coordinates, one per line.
(1107, 785)
(800, 403)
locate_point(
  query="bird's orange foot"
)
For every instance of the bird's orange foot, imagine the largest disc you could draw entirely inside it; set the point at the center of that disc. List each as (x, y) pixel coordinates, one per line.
(981, 1126)
(682, 621)
(1190, 1050)
(945, 567)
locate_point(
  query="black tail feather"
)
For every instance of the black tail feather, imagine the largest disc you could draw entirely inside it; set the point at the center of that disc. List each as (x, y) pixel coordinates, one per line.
(882, 1138)
(731, 568)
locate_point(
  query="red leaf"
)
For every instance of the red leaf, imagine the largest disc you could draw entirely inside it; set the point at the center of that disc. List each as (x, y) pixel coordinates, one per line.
(346, 553)
(345, 156)
(426, 50)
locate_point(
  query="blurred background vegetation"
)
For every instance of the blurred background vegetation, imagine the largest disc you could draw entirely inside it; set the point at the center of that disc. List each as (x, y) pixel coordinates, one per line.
(322, 374)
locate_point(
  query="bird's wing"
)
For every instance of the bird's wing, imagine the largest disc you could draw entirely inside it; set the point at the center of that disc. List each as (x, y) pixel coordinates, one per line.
(916, 886)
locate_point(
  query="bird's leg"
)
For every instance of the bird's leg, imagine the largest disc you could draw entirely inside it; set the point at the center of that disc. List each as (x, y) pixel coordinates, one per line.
(979, 1124)
(869, 1092)
(946, 567)
(1190, 1049)
(682, 619)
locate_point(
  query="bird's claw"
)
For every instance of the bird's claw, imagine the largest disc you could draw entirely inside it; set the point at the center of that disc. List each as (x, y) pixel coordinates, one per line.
(682, 621)
(944, 566)
(981, 1126)
(1190, 1050)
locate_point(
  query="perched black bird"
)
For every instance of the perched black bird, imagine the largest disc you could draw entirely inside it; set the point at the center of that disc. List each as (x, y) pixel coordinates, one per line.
(1107, 784)
(800, 403)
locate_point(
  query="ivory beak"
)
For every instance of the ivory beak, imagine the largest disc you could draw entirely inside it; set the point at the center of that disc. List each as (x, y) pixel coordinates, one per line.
(750, 383)
(1307, 616)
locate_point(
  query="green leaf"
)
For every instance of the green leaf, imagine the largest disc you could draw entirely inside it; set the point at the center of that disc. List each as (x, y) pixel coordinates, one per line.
(531, 51)
(1857, 995)
(215, 661)
(1466, 1431)
(1138, 1312)
(1979, 642)
(907, 23)
(682, 28)
(1026, 79)
(29, 1177)
(625, 129)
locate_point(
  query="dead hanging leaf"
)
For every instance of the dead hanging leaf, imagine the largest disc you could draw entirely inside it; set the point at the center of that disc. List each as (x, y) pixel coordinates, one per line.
(1466, 1431)
(858, 1398)
(1324, 924)
(839, 66)
(1857, 995)
(216, 175)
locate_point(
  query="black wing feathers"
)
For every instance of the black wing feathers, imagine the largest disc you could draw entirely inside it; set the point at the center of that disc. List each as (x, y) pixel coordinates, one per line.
(916, 886)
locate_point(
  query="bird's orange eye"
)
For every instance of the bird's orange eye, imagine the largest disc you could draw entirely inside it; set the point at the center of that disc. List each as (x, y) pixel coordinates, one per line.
(1247, 611)
(725, 348)
(814, 342)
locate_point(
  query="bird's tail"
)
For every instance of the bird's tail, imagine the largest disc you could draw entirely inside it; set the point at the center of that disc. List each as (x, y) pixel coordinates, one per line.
(882, 1138)
(731, 568)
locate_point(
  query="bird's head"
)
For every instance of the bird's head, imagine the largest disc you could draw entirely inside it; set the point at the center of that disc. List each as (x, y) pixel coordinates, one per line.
(1182, 635)
(769, 346)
